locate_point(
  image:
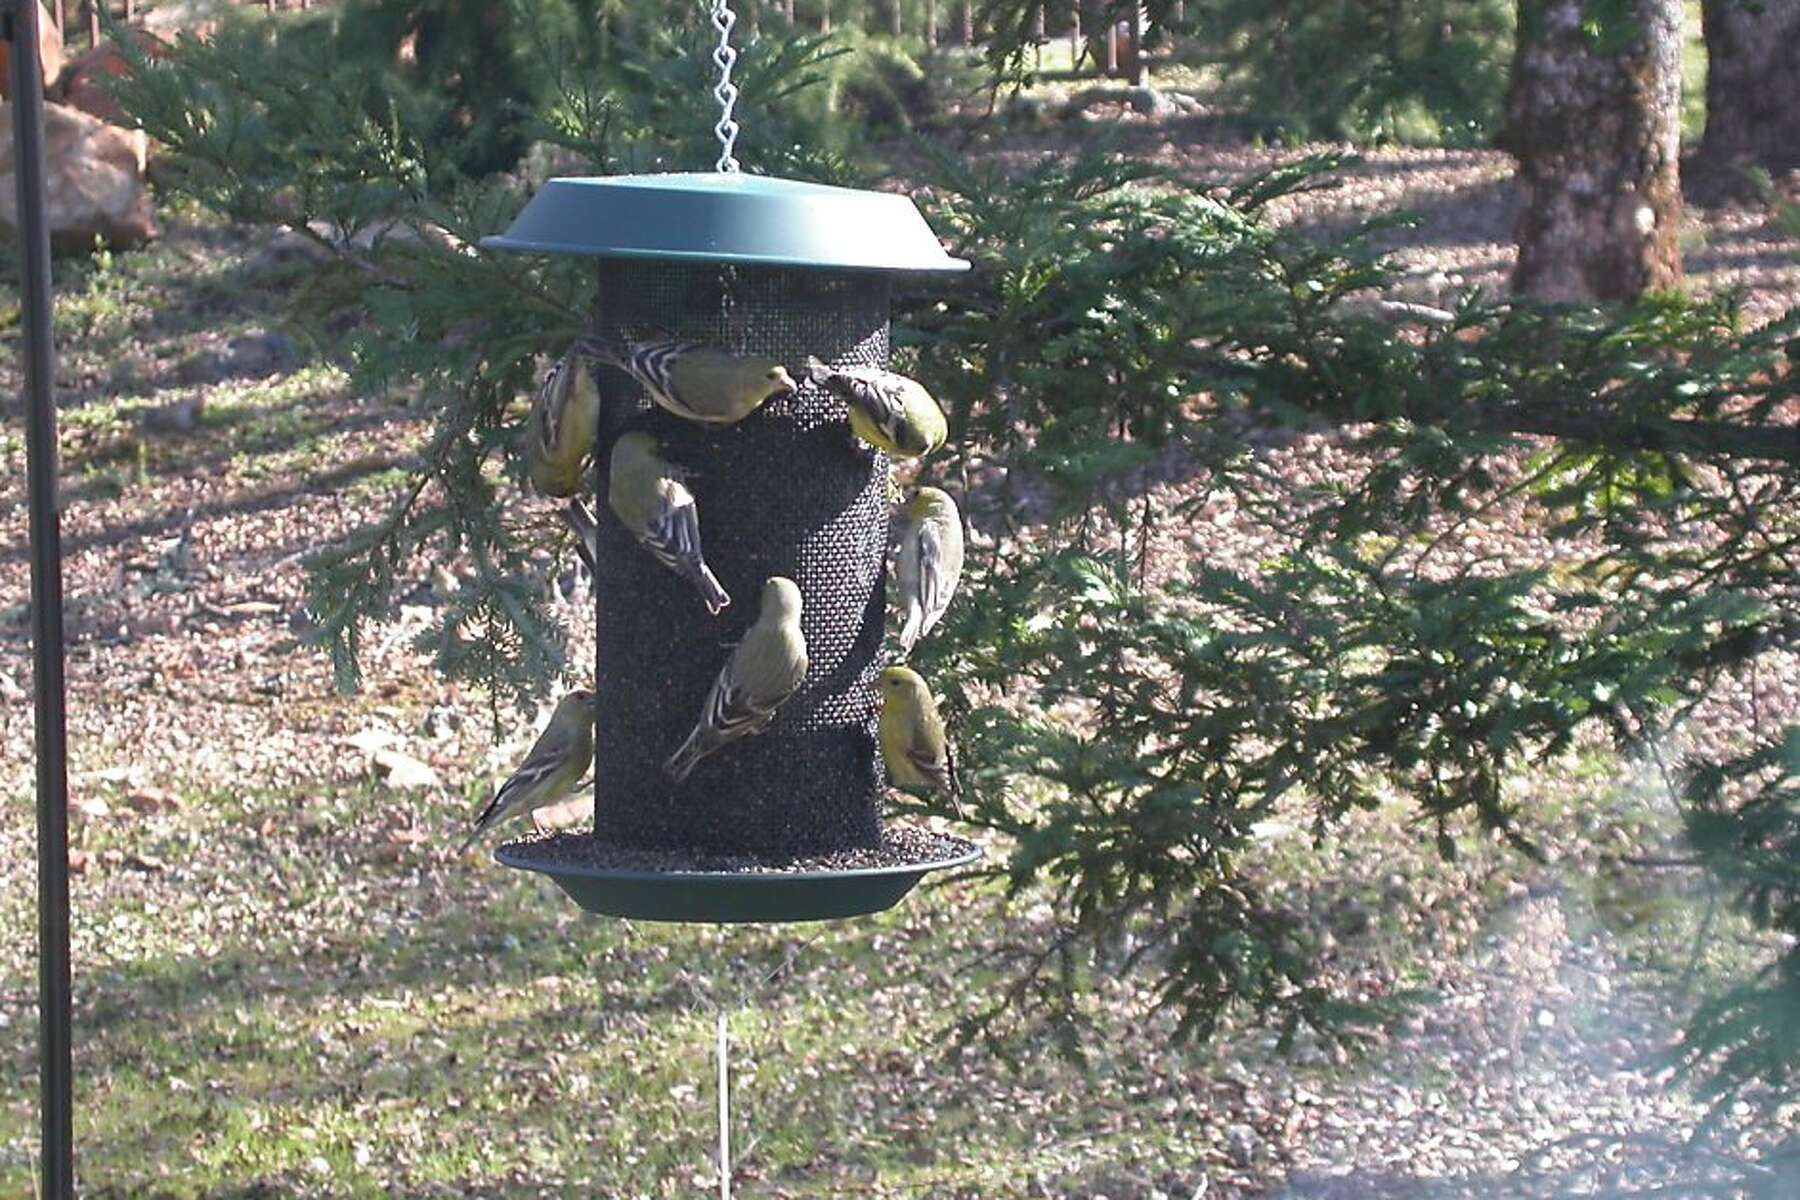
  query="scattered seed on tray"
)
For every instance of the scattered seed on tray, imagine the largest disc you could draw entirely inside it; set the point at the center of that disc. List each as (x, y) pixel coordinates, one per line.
(901, 846)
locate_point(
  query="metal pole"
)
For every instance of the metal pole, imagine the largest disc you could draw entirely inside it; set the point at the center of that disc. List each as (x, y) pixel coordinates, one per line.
(56, 1065)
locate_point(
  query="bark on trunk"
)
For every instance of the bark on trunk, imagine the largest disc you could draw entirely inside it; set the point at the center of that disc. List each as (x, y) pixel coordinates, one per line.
(1752, 83)
(1136, 67)
(931, 36)
(1593, 117)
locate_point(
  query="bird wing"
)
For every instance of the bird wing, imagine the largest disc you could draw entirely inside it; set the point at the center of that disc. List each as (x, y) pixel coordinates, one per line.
(652, 364)
(732, 711)
(549, 408)
(934, 582)
(673, 531)
(929, 760)
(883, 401)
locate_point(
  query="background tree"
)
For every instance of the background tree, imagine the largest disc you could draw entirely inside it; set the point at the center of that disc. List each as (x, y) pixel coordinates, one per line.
(1593, 117)
(1752, 83)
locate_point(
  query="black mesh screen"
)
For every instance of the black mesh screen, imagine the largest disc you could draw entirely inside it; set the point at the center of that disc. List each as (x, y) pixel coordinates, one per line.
(788, 491)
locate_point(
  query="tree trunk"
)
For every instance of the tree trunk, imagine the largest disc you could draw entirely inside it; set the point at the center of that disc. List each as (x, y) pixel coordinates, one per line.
(968, 22)
(931, 32)
(1593, 117)
(1075, 38)
(895, 19)
(1137, 45)
(1752, 83)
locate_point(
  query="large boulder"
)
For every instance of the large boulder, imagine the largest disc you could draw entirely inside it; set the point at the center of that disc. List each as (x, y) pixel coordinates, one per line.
(95, 181)
(83, 84)
(50, 54)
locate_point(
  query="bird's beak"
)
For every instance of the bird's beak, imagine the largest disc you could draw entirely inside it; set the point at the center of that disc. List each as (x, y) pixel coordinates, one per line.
(784, 383)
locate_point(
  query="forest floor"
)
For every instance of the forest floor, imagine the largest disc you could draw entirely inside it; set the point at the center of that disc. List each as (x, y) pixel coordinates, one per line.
(288, 984)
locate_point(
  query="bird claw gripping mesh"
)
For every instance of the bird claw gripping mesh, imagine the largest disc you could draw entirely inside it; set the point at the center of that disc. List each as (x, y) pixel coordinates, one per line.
(788, 491)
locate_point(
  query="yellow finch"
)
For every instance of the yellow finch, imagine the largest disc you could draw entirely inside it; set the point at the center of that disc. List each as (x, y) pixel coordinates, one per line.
(931, 560)
(887, 410)
(647, 493)
(700, 383)
(913, 744)
(557, 761)
(587, 534)
(767, 667)
(560, 431)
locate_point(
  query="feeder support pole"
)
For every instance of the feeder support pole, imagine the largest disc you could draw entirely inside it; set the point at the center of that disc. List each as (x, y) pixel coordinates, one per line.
(19, 23)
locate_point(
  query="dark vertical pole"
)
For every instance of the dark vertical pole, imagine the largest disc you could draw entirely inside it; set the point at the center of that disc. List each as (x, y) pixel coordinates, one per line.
(93, 14)
(56, 1065)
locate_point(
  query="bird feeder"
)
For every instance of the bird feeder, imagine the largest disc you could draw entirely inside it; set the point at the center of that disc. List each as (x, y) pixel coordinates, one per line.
(783, 270)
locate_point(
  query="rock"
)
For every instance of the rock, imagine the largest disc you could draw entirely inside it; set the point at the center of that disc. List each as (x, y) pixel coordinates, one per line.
(90, 808)
(83, 82)
(179, 416)
(147, 800)
(403, 772)
(253, 356)
(1240, 1141)
(1150, 102)
(577, 812)
(370, 741)
(95, 182)
(50, 55)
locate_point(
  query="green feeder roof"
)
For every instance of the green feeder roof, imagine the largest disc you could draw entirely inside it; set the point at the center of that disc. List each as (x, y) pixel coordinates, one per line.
(727, 218)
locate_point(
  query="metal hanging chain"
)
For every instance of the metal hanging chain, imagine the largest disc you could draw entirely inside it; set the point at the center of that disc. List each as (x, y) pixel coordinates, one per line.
(726, 93)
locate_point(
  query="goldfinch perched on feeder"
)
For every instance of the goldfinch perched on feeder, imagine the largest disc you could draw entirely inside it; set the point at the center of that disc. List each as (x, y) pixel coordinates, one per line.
(647, 493)
(557, 761)
(888, 411)
(699, 383)
(767, 667)
(560, 432)
(913, 743)
(931, 560)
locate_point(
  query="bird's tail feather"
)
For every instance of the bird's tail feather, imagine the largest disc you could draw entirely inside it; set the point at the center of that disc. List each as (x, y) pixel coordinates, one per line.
(603, 347)
(483, 823)
(955, 776)
(587, 533)
(681, 764)
(910, 631)
(711, 590)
